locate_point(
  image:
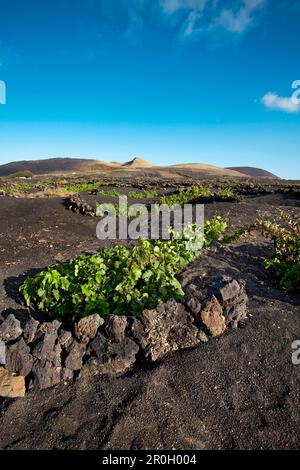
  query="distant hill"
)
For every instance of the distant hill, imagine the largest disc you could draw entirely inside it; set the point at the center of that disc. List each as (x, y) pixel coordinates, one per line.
(138, 166)
(207, 169)
(253, 172)
(138, 162)
(55, 165)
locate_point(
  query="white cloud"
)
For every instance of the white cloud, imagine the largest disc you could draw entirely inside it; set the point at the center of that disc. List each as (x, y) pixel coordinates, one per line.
(272, 102)
(205, 16)
(240, 21)
(188, 18)
(170, 6)
(191, 23)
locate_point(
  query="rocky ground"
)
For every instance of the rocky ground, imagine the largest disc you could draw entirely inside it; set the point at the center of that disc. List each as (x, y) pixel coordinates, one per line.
(239, 391)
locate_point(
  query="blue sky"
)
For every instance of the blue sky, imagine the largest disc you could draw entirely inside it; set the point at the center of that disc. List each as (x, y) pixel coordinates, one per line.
(169, 80)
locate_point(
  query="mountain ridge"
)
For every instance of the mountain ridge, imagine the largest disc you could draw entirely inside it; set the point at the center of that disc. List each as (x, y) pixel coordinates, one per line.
(67, 165)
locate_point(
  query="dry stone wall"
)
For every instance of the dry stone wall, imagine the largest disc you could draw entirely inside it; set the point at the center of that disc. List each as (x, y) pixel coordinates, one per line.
(41, 355)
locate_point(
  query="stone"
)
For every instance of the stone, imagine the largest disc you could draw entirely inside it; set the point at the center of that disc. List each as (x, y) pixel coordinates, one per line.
(10, 329)
(237, 314)
(46, 374)
(65, 339)
(213, 318)
(86, 329)
(67, 374)
(235, 309)
(2, 352)
(98, 345)
(50, 327)
(77, 205)
(169, 327)
(231, 295)
(30, 329)
(202, 336)
(46, 347)
(135, 329)
(230, 291)
(111, 357)
(74, 358)
(115, 327)
(94, 192)
(18, 358)
(10, 385)
(193, 305)
(47, 366)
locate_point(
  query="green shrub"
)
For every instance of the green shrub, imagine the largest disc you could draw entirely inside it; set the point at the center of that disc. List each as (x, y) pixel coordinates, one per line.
(110, 193)
(226, 193)
(121, 209)
(117, 280)
(24, 186)
(145, 194)
(186, 196)
(214, 228)
(285, 261)
(76, 188)
(18, 187)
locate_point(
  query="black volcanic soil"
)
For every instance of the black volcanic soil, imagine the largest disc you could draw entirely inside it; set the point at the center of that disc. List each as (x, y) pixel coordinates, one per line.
(240, 391)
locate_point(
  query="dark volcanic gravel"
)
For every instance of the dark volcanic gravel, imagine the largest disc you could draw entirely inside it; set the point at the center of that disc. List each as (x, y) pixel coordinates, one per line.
(240, 391)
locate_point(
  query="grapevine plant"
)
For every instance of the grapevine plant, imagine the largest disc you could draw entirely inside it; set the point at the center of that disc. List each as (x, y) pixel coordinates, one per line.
(144, 194)
(118, 280)
(186, 196)
(284, 262)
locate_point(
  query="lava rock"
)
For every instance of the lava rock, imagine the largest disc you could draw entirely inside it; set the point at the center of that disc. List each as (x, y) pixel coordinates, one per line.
(193, 305)
(115, 327)
(112, 357)
(98, 346)
(10, 385)
(135, 329)
(213, 318)
(236, 307)
(10, 329)
(47, 358)
(30, 329)
(86, 329)
(46, 374)
(77, 205)
(230, 293)
(46, 348)
(49, 328)
(202, 336)
(65, 339)
(169, 327)
(18, 358)
(74, 358)
(2, 352)
(67, 374)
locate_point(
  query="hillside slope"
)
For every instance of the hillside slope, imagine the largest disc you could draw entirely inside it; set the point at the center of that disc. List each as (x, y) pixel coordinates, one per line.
(138, 162)
(207, 169)
(252, 171)
(55, 165)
